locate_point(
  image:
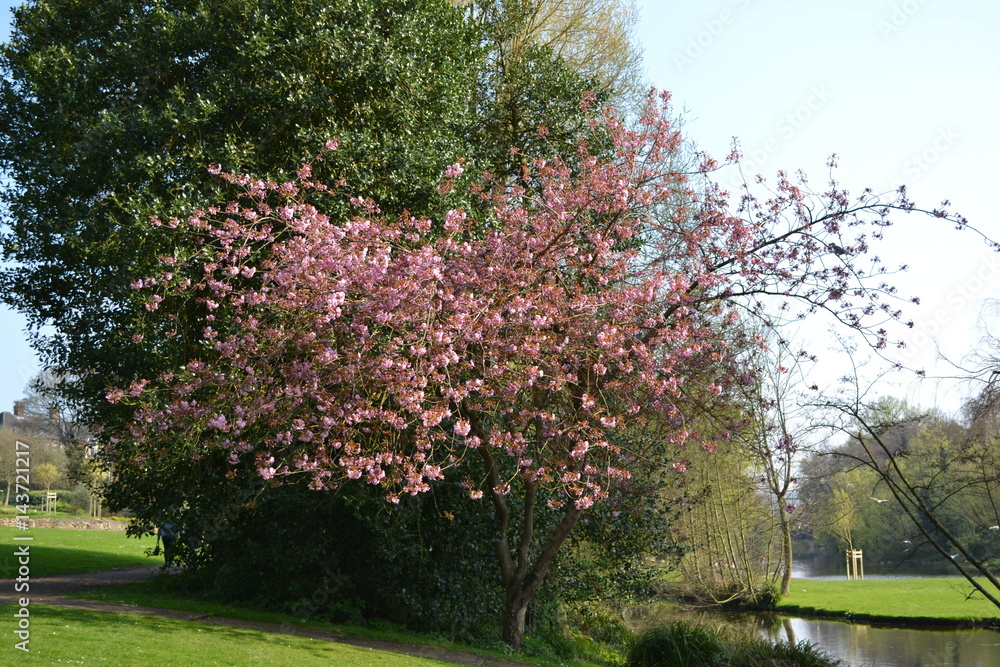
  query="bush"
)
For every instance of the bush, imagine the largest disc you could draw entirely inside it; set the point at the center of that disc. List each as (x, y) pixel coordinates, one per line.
(676, 644)
(764, 598)
(680, 644)
(762, 653)
(601, 625)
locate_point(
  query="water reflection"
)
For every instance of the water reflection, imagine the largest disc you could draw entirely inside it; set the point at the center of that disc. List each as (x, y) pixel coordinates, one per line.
(855, 644)
(892, 647)
(832, 566)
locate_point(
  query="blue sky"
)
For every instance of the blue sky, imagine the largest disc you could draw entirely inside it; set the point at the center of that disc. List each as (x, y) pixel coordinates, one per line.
(903, 91)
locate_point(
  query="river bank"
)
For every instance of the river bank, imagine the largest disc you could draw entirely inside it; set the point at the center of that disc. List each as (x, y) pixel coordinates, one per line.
(925, 602)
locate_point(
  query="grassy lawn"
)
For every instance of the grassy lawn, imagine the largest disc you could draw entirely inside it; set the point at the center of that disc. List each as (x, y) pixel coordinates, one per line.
(59, 551)
(151, 594)
(917, 600)
(96, 638)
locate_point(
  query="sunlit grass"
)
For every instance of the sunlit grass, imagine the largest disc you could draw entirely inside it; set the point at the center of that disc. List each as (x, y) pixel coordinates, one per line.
(157, 593)
(72, 636)
(60, 551)
(921, 600)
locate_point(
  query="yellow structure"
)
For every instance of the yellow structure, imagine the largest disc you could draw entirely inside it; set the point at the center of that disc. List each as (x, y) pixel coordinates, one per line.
(855, 564)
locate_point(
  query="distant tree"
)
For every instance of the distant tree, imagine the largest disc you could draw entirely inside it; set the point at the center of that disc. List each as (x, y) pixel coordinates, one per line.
(924, 478)
(774, 432)
(49, 414)
(48, 474)
(39, 452)
(729, 527)
(537, 68)
(595, 38)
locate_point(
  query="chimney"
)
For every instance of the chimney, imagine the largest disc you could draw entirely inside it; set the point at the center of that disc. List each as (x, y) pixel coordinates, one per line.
(19, 408)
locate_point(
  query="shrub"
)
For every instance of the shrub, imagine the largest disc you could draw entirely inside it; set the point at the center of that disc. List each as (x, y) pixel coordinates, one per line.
(681, 644)
(764, 598)
(601, 625)
(762, 653)
(676, 644)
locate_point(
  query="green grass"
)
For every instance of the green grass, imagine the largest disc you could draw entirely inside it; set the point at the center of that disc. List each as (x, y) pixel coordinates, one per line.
(152, 594)
(84, 637)
(912, 600)
(58, 551)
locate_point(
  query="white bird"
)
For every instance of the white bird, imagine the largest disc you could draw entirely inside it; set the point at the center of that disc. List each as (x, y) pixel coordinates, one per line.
(994, 527)
(907, 542)
(879, 500)
(953, 556)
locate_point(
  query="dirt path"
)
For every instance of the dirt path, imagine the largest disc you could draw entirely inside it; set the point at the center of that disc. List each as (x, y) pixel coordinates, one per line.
(51, 591)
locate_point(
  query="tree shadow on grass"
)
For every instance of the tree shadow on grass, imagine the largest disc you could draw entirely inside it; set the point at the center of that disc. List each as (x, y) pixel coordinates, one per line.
(73, 635)
(46, 561)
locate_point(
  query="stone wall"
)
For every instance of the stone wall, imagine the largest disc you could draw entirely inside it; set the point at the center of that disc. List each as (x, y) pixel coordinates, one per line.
(82, 523)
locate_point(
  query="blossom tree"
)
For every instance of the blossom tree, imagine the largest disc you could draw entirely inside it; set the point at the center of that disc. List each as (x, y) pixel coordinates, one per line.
(596, 296)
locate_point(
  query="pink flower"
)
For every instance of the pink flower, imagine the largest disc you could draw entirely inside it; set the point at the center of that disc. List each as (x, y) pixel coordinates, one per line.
(217, 421)
(453, 170)
(453, 220)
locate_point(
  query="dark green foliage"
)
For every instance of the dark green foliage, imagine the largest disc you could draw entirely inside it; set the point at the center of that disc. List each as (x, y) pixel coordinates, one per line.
(620, 548)
(602, 626)
(763, 653)
(763, 598)
(111, 112)
(425, 563)
(676, 645)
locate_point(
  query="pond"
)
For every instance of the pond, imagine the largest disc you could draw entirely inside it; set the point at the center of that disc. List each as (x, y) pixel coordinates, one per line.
(833, 566)
(856, 644)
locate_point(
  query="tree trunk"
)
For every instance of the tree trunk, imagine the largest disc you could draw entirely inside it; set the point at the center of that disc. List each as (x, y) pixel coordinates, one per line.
(521, 577)
(786, 547)
(515, 614)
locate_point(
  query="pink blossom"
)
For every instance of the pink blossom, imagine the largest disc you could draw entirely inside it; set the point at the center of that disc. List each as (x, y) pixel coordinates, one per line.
(362, 347)
(217, 421)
